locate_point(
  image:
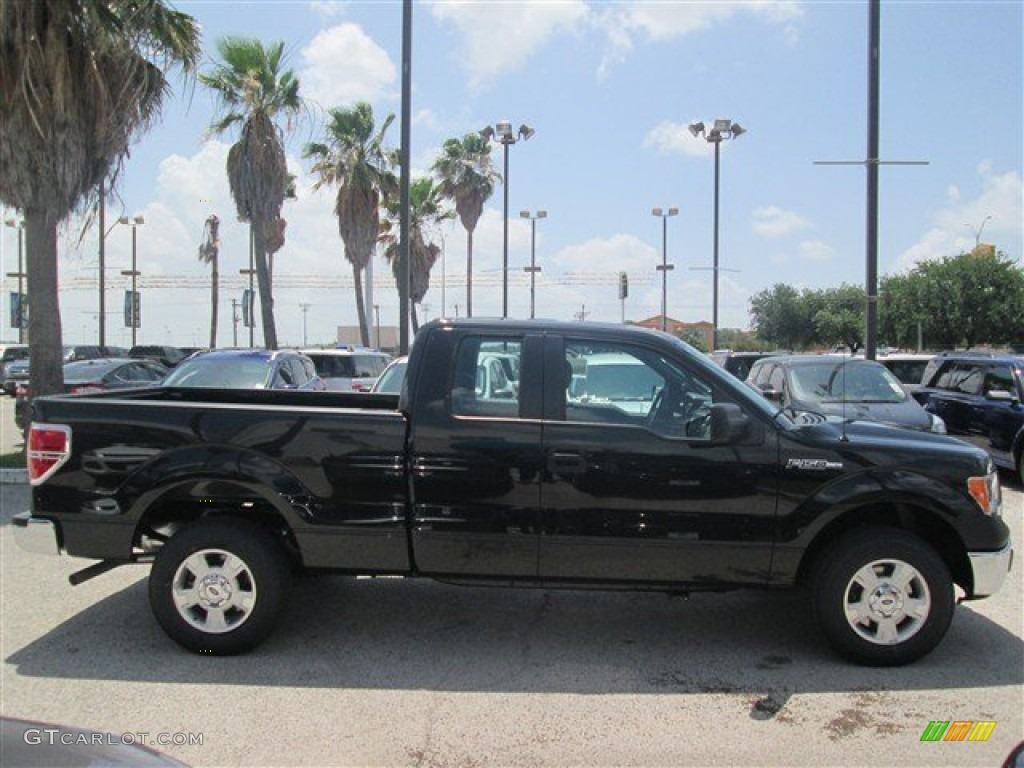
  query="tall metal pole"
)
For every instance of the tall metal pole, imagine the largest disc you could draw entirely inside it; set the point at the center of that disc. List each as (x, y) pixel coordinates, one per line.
(533, 264)
(665, 272)
(404, 244)
(252, 293)
(504, 249)
(102, 256)
(134, 318)
(714, 311)
(871, 282)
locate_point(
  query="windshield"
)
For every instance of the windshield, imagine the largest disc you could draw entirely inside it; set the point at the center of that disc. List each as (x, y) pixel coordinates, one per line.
(220, 373)
(850, 382)
(390, 382)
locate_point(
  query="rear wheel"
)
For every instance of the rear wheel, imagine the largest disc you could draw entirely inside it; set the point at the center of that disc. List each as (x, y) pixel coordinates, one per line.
(883, 597)
(218, 586)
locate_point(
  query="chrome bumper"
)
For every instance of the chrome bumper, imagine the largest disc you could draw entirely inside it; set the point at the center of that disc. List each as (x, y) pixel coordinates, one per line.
(36, 535)
(989, 570)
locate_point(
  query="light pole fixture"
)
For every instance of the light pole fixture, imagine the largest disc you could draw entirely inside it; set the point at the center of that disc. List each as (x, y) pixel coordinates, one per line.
(721, 129)
(664, 267)
(134, 302)
(533, 269)
(502, 134)
(19, 225)
(304, 306)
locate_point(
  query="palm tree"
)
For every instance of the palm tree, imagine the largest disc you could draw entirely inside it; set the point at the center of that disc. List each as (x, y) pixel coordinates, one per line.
(353, 157)
(79, 81)
(426, 211)
(467, 177)
(209, 249)
(255, 90)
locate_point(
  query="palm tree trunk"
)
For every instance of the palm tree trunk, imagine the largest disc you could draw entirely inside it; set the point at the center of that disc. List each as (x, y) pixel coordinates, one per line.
(266, 295)
(415, 320)
(364, 331)
(46, 375)
(214, 300)
(469, 273)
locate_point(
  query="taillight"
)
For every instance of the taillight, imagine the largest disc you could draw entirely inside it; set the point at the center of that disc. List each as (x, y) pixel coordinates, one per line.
(21, 391)
(49, 446)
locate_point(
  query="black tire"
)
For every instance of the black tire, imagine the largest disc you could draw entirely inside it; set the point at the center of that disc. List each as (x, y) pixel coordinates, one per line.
(883, 597)
(230, 579)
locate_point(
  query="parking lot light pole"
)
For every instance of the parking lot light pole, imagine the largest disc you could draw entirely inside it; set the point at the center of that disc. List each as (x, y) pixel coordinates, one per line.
(721, 129)
(533, 269)
(502, 134)
(664, 267)
(135, 222)
(19, 226)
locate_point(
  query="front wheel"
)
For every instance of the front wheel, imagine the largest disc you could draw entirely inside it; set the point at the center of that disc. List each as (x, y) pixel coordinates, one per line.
(883, 597)
(218, 586)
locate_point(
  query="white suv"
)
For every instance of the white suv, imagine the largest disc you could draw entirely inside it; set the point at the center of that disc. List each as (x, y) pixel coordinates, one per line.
(348, 369)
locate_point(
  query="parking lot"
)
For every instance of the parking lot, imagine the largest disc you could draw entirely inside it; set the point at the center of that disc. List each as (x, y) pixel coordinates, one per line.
(405, 672)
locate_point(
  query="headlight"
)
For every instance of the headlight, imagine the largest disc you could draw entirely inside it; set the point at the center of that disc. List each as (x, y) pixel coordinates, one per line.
(938, 425)
(986, 492)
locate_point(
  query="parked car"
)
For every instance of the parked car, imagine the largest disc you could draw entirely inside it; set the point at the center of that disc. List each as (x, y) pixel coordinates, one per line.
(10, 353)
(613, 382)
(840, 387)
(98, 375)
(908, 367)
(390, 382)
(348, 369)
(75, 352)
(15, 373)
(979, 395)
(246, 369)
(168, 356)
(738, 363)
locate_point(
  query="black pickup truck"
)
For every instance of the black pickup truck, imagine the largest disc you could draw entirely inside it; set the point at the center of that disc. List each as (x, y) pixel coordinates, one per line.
(540, 454)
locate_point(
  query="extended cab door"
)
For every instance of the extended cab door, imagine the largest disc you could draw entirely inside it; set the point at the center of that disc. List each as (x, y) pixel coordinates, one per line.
(476, 454)
(633, 488)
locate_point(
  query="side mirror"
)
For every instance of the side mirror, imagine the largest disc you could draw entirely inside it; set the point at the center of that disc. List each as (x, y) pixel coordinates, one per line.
(774, 395)
(728, 423)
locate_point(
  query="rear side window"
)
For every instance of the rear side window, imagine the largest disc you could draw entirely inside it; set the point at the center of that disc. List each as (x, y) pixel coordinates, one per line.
(480, 385)
(999, 378)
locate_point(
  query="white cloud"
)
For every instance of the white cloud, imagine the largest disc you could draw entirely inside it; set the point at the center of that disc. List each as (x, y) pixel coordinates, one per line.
(329, 9)
(496, 40)
(996, 213)
(343, 65)
(669, 138)
(626, 24)
(816, 250)
(772, 221)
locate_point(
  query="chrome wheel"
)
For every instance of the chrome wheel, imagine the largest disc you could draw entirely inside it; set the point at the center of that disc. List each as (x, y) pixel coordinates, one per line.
(214, 591)
(887, 602)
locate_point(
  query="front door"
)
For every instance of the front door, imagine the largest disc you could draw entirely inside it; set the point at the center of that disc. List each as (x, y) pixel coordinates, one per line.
(633, 488)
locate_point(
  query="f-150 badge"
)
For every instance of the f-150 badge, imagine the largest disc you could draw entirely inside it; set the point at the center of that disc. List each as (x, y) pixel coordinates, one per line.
(816, 465)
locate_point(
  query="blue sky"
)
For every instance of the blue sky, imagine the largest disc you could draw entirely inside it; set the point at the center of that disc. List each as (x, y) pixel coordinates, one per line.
(609, 89)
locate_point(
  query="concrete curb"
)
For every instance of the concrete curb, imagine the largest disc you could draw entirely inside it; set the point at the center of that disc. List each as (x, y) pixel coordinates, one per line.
(13, 476)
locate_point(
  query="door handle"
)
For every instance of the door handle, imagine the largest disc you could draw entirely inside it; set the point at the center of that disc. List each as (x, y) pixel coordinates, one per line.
(567, 463)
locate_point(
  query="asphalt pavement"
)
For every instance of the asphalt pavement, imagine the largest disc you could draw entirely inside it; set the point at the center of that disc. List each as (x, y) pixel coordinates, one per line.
(375, 672)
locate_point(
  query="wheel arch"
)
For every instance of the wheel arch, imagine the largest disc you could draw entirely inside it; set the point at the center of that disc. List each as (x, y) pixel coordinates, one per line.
(903, 515)
(186, 500)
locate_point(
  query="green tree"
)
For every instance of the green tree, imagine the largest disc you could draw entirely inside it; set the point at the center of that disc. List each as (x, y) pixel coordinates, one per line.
(839, 317)
(468, 178)
(353, 158)
(79, 81)
(779, 314)
(426, 211)
(254, 91)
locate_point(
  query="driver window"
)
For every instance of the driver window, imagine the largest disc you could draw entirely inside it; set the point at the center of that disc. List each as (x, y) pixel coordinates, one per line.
(609, 383)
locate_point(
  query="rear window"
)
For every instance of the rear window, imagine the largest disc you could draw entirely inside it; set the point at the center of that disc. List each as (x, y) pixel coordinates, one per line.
(334, 366)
